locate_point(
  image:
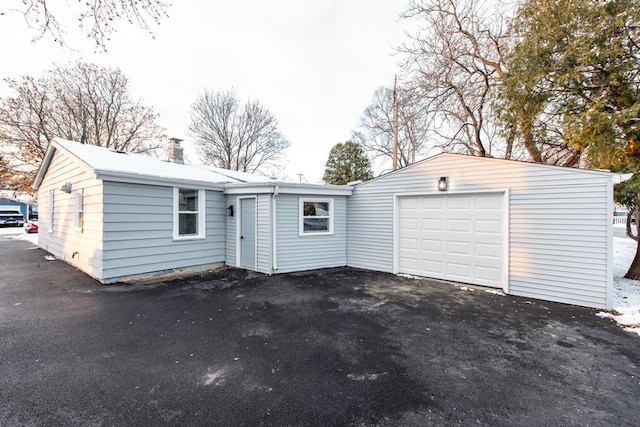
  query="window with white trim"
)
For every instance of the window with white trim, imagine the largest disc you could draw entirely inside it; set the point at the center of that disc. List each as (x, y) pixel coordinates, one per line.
(188, 214)
(78, 210)
(51, 204)
(316, 216)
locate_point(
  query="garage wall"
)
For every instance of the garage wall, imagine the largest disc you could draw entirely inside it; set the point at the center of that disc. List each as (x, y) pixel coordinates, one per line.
(559, 222)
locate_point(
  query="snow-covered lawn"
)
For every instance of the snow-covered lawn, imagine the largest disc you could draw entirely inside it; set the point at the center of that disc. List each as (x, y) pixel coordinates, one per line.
(626, 293)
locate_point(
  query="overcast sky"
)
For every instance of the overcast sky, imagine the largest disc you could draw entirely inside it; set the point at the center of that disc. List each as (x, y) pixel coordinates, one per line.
(314, 64)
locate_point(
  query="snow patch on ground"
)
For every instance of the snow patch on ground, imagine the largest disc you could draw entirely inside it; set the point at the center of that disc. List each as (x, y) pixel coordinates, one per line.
(33, 237)
(626, 292)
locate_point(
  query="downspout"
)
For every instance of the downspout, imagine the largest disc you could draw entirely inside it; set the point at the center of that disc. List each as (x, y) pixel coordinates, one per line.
(274, 230)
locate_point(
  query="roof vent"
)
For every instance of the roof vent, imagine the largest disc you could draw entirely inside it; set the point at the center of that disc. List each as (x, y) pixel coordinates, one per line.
(175, 152)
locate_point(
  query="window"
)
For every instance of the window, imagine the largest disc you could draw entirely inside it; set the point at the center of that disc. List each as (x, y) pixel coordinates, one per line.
(78, 210)
(51, 211)
(316, 216)
(188, 214)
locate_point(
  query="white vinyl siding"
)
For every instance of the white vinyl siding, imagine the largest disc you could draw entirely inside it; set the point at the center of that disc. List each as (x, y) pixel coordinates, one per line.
(138, 232)
(57, 215)
(230, 232)
(295, 252)
(263, 234)
(558, 232)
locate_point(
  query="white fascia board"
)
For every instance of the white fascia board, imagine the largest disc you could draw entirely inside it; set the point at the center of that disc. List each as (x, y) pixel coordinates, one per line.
(152, 180)
(288, 188)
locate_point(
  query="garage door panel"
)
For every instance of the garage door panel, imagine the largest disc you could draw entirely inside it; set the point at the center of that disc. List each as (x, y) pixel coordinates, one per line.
(490, 202)
(463, 225)
(432, 245)
(489, 226)
(432, 224)
(409, 203)
(409, 243)
(489, 250)
(459, 203)
(458, 271)
(459, 237)
(434, 268)
(433, 204)
(488, 275)
(408, 223)
(458, 248)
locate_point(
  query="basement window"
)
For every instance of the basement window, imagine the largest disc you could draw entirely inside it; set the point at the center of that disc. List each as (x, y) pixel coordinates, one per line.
(316, 217)
(188, 214)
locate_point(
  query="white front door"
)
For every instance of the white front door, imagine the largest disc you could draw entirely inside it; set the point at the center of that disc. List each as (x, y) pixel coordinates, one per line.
(456, 237)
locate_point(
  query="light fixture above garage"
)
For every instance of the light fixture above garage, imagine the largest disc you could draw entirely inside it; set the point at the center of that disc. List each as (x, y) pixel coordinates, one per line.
(443, 183)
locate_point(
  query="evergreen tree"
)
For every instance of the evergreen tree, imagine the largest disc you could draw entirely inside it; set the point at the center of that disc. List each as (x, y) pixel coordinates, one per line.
(572, 82)
(347, 162)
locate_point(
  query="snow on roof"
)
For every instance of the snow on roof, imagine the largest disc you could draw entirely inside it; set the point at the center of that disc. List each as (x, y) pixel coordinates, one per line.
(107, 162)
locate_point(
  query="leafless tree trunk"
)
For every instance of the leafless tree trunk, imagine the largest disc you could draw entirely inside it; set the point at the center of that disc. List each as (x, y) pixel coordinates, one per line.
(234, 136)
(376, 129)
(456, 63)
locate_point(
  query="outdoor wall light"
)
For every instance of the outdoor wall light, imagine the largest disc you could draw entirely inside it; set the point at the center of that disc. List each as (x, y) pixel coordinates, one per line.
(230, 210)
(443, 183)
(66, 187)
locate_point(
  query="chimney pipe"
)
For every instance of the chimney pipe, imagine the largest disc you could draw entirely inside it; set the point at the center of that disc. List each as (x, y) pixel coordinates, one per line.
(175, 152)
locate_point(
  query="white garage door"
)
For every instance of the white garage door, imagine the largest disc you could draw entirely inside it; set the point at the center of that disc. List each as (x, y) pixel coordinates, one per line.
(455, 237)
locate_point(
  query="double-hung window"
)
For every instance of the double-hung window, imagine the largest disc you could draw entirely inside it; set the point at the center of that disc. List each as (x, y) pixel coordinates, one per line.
(188, 214)
(316, 216)
(50, 213)
(78, 210)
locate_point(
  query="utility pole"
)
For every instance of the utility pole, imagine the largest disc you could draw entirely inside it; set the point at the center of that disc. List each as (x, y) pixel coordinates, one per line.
(394, 156)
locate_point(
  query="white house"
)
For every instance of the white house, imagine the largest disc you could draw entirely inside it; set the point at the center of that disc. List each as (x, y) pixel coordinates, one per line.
(527, 229)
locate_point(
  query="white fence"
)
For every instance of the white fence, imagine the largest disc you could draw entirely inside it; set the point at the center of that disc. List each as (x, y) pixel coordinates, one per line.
(620, 220)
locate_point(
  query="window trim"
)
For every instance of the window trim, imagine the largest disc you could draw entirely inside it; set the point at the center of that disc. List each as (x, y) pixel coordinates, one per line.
(301, 217)
(201, 212)
(78, 210)
(51, 207)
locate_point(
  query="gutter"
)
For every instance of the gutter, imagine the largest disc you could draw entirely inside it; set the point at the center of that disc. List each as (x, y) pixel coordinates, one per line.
(154, 180)
(274, 229)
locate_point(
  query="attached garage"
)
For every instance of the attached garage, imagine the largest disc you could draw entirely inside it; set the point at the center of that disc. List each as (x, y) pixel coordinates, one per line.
(458, 237)
(532, 230)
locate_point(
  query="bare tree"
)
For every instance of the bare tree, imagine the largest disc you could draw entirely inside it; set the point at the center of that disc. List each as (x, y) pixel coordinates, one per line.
(456, 63)
(77, 102)
(97, 16)
(375, 132)
(231, 135)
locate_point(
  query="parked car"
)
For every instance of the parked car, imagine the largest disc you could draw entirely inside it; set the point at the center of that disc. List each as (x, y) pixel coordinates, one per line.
(30, 227)
(11, 218)
(33, 213)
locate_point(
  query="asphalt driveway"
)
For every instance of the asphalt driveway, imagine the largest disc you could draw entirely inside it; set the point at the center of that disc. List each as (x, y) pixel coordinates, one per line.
(331, 347)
